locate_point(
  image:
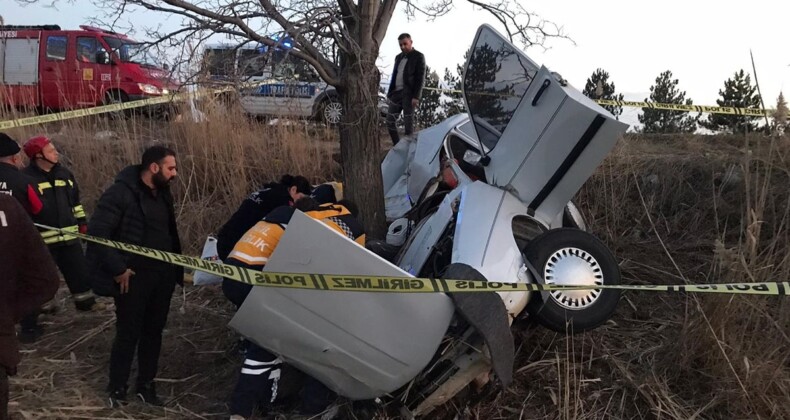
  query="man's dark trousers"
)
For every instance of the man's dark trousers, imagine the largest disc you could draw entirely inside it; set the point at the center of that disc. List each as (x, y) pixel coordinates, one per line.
(399, 102)
(141, 317)
(3, 394)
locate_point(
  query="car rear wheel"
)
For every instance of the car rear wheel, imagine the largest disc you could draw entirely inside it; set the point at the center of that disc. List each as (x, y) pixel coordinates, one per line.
(112, 97)
(331, 111)
(569, 256)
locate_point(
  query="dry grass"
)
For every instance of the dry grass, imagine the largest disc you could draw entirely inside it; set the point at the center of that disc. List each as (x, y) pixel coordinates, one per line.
(220, 161)
(673, 209)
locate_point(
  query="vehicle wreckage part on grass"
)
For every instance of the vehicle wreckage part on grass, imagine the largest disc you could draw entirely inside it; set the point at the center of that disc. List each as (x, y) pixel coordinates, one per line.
(352, 343)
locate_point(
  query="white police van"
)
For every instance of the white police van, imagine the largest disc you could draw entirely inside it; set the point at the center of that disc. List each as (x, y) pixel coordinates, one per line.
(284, 85)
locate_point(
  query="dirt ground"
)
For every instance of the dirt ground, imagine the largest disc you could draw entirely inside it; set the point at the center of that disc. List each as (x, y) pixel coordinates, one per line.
(64, 374)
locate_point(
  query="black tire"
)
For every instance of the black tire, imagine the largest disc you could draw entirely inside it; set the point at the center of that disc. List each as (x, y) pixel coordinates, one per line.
(116, 97)
(330, 111)
(579, 310)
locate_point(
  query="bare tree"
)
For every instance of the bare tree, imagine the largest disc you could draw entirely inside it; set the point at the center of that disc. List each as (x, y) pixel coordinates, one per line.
(340, 39)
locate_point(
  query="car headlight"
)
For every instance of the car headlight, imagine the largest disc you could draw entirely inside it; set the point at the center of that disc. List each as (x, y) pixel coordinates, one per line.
(149, 89)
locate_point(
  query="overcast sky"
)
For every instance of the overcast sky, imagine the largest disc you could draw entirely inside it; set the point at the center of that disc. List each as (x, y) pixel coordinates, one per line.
(703, 42)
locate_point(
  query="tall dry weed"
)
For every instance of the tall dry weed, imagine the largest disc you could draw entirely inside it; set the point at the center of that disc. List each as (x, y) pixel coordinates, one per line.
(220, 161)
(703, 210)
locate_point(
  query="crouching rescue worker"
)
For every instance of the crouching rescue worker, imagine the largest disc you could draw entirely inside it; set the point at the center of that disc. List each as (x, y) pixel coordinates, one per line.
(256, 206)
(29, 279)
(137, 209)
(260, 374)
(62, 208)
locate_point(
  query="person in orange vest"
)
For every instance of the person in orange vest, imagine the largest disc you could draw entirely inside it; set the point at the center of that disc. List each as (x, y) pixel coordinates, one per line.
(260, 373)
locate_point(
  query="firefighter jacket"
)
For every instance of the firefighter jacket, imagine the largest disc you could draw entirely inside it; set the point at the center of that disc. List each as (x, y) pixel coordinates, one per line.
(257, 245)
(20, 186)
(62, 208)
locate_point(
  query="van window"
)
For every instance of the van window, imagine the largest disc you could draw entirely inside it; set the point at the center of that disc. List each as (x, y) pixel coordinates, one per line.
(56, 48)
(87, 46)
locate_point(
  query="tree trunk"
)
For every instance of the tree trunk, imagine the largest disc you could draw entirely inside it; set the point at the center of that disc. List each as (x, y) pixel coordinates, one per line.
(360, 145)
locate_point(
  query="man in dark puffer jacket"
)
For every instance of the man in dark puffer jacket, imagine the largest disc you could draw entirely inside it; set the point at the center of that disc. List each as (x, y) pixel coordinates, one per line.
(137, 209)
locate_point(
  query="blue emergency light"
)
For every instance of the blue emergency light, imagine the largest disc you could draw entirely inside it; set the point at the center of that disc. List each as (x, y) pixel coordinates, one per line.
(285, 44)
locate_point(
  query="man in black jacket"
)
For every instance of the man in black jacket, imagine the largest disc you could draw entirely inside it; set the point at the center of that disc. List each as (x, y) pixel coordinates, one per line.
(137, 209)
(256, 206)
(62, 208)
(408, 78)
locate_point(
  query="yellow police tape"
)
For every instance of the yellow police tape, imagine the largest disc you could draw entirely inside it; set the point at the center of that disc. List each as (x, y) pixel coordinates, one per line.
(387, 284)
(78, 113)
(748, 112)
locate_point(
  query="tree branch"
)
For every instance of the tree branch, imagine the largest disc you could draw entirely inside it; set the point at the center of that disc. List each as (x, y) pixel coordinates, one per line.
(383, 20)
(528, 33)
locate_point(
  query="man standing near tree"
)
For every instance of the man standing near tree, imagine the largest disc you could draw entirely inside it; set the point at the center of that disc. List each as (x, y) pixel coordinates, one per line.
(408, 79)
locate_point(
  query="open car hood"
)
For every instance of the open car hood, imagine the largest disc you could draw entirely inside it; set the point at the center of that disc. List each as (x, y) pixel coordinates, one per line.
(361, 345)
(545, 137)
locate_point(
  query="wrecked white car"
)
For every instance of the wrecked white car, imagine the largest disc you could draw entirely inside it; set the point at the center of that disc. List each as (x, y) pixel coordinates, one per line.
(484, 196)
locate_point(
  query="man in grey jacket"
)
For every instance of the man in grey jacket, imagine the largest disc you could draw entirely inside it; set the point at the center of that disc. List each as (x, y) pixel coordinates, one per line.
(408, 79)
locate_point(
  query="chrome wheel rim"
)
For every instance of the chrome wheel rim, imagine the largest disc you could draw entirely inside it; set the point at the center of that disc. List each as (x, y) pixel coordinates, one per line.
(573, 266)
(333, 111)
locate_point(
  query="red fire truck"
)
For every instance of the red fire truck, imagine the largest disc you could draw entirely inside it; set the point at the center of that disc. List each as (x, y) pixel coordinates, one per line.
(47, 68)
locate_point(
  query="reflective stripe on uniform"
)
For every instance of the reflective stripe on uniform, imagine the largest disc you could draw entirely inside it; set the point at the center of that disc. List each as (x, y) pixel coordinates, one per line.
(52, 236)
(255, 367)
(58, 183)
(79, 297)
(79, 211)
(247, 258)
(247, 371)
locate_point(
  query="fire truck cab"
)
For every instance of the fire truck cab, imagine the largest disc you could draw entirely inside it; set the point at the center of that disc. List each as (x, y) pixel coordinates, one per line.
(47, 68)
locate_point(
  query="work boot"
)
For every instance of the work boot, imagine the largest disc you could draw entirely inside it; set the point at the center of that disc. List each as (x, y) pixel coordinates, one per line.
(89, 305)
(147, 393)
(49, 308)
(30, 335)
(117, 397)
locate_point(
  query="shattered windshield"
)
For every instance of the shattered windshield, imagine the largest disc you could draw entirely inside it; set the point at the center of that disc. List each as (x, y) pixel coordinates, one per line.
(497, 77)
(132, 52)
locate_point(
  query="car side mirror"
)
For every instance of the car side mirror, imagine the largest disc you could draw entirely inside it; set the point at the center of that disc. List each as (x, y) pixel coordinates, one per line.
(471, 157)
(103, 58)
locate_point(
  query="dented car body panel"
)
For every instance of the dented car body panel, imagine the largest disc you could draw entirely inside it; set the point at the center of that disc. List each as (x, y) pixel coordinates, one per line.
(352, 342)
